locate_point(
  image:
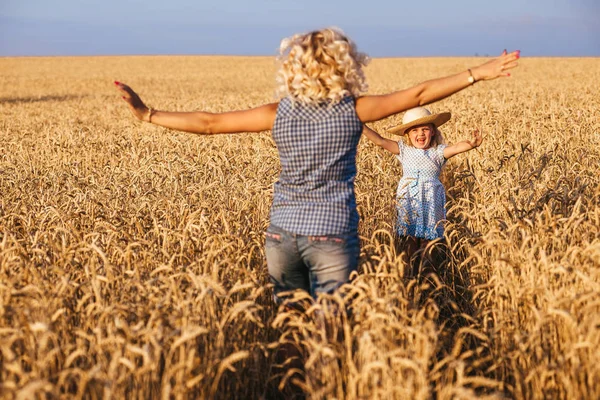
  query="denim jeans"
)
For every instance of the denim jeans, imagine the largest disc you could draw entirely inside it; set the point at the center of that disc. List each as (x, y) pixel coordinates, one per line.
(315, 264)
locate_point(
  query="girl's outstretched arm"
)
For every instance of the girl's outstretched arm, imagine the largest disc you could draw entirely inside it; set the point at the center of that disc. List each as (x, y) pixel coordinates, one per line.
(253, 120)
(465, 145)
(373, 108)
(380, 141)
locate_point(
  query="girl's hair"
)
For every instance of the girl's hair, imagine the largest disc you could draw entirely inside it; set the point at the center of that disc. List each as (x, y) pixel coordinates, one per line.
(436, 140)
(320, 66)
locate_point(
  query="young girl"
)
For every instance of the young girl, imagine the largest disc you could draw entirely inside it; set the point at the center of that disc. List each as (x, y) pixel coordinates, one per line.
(420, 196)
(312, 241)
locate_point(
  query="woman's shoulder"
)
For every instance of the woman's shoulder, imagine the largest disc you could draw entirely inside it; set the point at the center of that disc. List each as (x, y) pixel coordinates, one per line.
(290, 106)
(325, 102)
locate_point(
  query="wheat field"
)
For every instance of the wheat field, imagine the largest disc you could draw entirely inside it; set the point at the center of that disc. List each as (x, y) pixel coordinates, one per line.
(132, 261)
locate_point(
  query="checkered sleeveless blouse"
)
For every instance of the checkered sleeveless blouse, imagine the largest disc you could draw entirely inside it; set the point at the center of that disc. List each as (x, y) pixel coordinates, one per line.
(317, 149)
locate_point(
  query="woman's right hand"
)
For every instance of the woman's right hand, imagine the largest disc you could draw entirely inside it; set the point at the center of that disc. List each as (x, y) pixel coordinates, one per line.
(497, 67)
(136, 105)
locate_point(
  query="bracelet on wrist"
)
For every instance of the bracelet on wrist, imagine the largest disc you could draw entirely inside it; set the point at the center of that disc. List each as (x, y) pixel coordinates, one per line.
(471, 78)
(150, 113)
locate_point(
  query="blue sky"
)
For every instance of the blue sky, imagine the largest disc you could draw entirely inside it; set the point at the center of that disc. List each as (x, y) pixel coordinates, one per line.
(381, 28)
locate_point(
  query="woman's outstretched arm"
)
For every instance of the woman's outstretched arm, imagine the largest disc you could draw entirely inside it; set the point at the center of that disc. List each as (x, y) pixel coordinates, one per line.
(373, 108)
(252, 120)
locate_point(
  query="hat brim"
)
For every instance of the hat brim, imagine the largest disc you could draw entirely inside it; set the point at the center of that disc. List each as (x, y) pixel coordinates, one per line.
(435, 119)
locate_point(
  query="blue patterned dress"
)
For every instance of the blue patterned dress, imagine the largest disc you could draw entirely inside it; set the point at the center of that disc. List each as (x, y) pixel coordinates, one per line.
(421, 197)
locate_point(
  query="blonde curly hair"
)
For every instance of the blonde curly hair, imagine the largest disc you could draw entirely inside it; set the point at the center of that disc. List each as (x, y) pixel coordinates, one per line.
(320, 66)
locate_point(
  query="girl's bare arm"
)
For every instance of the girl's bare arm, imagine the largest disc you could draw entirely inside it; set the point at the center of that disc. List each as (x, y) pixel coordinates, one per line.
(380, 141)
(465, 145)
(373, 108)
(252, 120)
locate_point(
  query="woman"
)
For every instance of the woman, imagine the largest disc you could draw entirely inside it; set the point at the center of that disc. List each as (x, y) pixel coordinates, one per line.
(312, 241)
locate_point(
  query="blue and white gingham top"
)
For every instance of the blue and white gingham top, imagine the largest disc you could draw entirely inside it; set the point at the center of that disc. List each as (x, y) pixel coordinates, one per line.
(317, 149)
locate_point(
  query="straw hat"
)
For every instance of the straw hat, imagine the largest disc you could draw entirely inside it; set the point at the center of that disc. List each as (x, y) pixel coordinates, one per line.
(419, 116)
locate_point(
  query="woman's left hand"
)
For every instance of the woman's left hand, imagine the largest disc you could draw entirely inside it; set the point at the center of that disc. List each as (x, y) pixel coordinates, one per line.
(497, 67)
(135, 103)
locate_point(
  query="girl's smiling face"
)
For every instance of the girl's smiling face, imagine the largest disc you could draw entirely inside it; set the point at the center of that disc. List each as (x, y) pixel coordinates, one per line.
(420, 136)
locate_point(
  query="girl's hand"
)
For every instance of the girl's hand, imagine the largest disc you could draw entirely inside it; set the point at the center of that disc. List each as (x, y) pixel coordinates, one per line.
(476, 140)
(136, 105)
(463, 146)
(497, 67)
